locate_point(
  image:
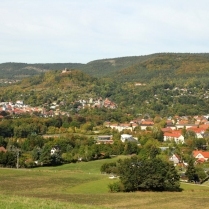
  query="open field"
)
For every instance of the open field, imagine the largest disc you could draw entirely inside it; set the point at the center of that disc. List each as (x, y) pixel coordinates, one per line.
(81, 185)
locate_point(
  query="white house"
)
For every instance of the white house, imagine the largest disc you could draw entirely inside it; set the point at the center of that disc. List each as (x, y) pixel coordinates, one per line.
(175, 159)
(127, 138)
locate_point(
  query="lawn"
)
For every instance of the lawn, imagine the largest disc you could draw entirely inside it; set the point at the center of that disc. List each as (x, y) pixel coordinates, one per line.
(81, 185)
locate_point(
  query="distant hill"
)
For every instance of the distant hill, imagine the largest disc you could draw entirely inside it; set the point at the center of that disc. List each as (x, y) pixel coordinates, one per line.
(166, 84)
(167, 67)
(107, 67)
(21, 70)
(97, 68)
(135, 69)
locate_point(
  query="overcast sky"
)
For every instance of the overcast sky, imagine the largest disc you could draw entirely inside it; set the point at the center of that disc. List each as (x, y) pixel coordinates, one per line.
(79, 31)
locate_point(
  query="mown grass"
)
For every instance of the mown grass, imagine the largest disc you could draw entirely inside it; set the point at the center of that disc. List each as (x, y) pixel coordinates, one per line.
(81, 185)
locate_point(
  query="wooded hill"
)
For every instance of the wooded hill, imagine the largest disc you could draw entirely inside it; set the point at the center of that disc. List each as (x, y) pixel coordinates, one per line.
(165, 84)
(144, 68)
(14, 70)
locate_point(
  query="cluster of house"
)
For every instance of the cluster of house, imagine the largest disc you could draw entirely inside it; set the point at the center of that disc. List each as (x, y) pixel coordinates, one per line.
(19, 107)
(199, 125)
(200, 156)
(173, 130)
(97, 103)
(8, 81)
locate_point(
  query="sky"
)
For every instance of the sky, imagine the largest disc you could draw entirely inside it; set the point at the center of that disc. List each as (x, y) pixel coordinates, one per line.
(80, 31)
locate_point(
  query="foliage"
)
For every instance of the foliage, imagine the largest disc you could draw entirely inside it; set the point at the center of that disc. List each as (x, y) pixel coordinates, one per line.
(115, 187)
(109, 168)
(7, 159)
(174, 84)
(191, 172)
(201, 173)
(148, 174)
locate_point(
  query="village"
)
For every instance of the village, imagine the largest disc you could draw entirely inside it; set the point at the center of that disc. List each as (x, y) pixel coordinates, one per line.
(50, 110)
(174, 130)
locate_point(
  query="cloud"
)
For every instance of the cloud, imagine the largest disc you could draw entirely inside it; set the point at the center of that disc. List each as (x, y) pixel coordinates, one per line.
(82, 31)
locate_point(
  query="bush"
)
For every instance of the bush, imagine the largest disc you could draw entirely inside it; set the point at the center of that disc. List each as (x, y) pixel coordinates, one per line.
(115, 187)
(109, 168)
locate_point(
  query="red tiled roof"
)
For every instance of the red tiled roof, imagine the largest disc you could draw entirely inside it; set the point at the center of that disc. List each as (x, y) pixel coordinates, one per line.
(173, 134)
(183, 122)
(166, 129)
(125, 124)
(205, 154)
(147, 123)
(134, 124)
(204, 126)
(196, 130)
(2, 149)
(201, 160)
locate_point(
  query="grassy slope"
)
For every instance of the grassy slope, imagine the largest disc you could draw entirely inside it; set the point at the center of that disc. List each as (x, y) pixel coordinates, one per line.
(81, 185)
(17, 202)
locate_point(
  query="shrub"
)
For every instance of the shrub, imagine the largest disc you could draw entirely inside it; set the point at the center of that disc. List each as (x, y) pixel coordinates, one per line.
(115, 187)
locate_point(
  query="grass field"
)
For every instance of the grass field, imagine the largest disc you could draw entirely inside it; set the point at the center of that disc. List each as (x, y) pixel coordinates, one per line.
(81, 185)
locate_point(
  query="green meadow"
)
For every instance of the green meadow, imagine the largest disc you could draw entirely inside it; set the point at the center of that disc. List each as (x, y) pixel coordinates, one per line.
(81, 185)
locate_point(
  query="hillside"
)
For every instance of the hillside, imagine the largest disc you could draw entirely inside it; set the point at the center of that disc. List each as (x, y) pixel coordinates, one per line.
(107, 67)
(167, 67)
(51, 86)
(20, 70)
(136, 68)
(98, 68)
(165, 84)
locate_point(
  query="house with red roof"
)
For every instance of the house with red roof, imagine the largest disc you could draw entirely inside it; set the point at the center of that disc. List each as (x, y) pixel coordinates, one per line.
(198, 131)
(122, 126)
(146, 124)
(181, 126)
(174, 136)
(200, 156)
(204, 126)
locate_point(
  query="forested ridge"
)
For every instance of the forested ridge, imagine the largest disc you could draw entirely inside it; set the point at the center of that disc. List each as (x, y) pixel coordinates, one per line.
(171, 63)
(165, 84)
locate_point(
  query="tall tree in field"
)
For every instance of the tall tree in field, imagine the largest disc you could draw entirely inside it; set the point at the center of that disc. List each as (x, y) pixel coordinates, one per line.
(148, 174)
(45, 156)
(191, 172)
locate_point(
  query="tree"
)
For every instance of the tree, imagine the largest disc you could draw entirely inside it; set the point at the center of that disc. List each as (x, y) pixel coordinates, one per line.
(109, 168)
(3, 143)
(45, 156)
(36, 153)
(130, 148)
(191, 172)
(201, 173)
(148, 174)
(150, 149)
(157, 133)
(7, 159)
